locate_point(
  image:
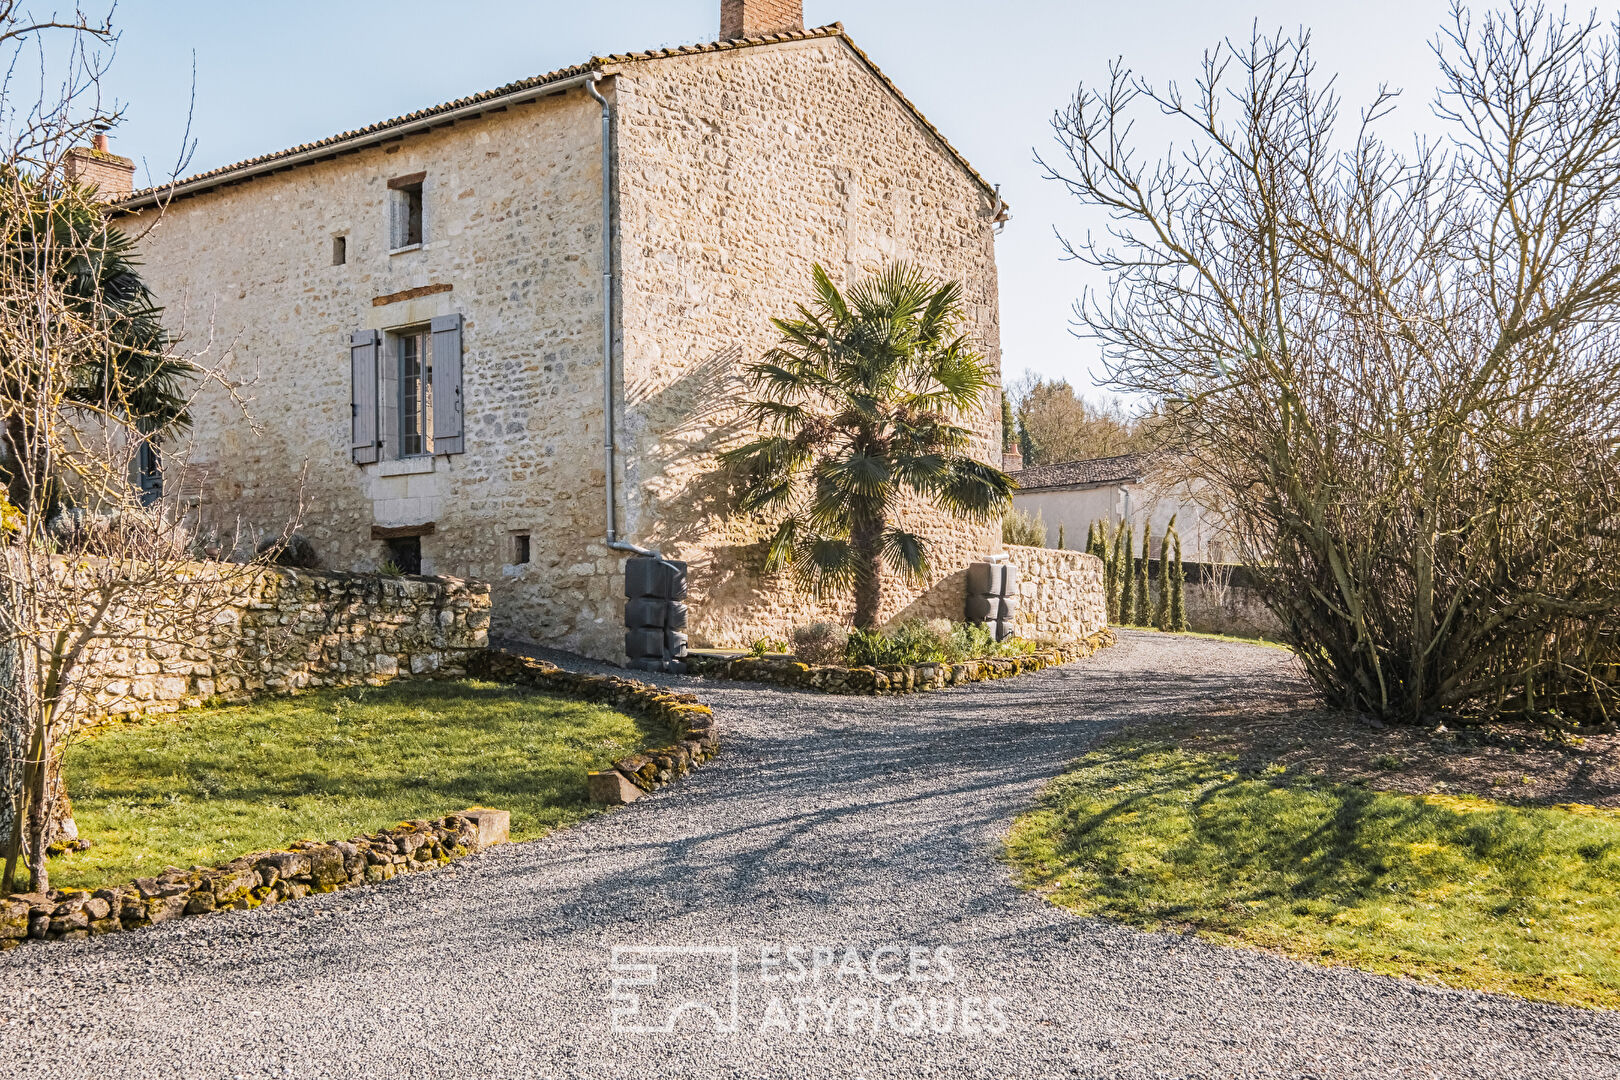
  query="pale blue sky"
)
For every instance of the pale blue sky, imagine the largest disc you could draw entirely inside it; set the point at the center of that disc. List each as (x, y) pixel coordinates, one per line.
(989, 76)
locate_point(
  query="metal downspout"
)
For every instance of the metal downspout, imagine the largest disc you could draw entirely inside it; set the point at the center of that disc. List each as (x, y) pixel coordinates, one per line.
(609, 449)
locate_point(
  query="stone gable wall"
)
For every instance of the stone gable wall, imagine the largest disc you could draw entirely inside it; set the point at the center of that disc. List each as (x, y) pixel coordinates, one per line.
(738, 172)
(277, 631)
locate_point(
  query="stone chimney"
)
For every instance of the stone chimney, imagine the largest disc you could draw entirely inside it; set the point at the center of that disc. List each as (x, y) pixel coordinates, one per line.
(755, 18)
(1012, 459)
(112, 176)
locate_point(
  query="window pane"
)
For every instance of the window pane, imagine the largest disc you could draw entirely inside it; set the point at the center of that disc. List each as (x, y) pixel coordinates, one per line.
(410, 395)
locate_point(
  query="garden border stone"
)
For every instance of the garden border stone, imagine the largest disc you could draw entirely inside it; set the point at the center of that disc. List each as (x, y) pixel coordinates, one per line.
(906, 679)
(690, 722)
(251, 881)
(269, 877)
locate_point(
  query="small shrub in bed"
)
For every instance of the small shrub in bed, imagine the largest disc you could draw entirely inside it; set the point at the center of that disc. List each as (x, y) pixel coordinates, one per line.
(937, 641)
(820, 643)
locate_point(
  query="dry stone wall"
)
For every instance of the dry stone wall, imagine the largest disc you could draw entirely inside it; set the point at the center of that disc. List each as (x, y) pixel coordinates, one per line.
(1060, 594)
(277, 631)
(251, 881)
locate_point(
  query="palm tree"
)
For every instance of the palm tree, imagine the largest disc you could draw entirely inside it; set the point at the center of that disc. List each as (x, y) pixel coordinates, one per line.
(859, 403)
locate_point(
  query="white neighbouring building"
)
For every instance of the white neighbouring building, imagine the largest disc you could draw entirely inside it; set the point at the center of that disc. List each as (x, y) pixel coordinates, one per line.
(1131, 487)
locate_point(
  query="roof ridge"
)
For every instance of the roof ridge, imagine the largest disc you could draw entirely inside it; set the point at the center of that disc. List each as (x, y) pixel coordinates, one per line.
(336, 143)
(595, 63)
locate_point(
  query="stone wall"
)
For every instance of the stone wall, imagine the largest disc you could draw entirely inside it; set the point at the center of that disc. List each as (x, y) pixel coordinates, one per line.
(738, 172)
(1060, 594)
(252, 881)
(276, 631)
(1234, 609)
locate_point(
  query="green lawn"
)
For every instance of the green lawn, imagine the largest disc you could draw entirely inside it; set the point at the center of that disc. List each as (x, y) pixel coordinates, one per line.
(1453, 890)
(205, 786)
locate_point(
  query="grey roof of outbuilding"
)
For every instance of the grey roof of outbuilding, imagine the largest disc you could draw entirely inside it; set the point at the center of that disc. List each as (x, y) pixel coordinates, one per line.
(1093, 472)
(350, 141)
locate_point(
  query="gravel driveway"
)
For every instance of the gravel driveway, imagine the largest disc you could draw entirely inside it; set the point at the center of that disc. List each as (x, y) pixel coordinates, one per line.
(844, 825)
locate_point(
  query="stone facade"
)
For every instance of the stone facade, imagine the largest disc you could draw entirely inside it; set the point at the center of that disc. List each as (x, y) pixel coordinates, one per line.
(278, 631)
(1060, 594)
(737, 167)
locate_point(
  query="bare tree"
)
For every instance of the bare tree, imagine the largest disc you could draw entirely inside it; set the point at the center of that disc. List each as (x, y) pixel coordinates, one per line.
(1396, 370)
(94, 558)
(1056, 424)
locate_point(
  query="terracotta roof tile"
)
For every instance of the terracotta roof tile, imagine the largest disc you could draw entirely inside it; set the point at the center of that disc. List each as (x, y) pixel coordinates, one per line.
(1093, 472)
(347, 140)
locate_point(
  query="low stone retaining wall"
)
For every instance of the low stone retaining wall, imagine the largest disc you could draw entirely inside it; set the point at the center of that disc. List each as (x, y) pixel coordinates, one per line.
(1060, 594)
(690, 722)
(280, 630)
(895, 680)
(250, 881)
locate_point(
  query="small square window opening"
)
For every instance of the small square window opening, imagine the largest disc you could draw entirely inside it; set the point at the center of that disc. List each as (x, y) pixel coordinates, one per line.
(340, 250)
(405, 211)
(405, 553)
(520, 549)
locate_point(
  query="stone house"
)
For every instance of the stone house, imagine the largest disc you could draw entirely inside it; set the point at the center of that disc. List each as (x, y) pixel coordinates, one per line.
(413, 314)
(1130, 487)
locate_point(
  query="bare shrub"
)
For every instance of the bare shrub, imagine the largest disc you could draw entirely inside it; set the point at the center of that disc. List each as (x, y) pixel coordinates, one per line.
(91, 383)
(1396, 372)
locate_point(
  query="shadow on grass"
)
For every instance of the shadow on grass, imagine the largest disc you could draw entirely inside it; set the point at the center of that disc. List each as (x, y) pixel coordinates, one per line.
(1480, 893)
(206, 785)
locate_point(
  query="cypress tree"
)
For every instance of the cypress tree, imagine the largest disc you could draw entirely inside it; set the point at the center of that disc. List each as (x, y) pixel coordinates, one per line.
(1111, 577)
(1144, 616)
(1178, 594)
(1061, 546)
(1127, 579)
(1161, 613)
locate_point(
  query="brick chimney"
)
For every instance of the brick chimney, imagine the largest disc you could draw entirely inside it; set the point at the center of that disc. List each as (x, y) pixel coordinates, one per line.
(112, 176)
(754, 18)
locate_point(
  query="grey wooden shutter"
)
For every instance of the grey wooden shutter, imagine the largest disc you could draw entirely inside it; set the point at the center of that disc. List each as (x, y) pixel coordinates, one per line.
(396, 219)
(364, 444)
(447, 411)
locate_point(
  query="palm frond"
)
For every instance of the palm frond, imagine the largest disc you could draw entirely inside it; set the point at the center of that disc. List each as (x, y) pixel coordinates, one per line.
(974, 490)
(823, 565)
(906, 554)
(779, 552)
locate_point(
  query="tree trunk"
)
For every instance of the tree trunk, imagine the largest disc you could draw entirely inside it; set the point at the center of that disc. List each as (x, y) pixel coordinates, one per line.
(868, 541)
